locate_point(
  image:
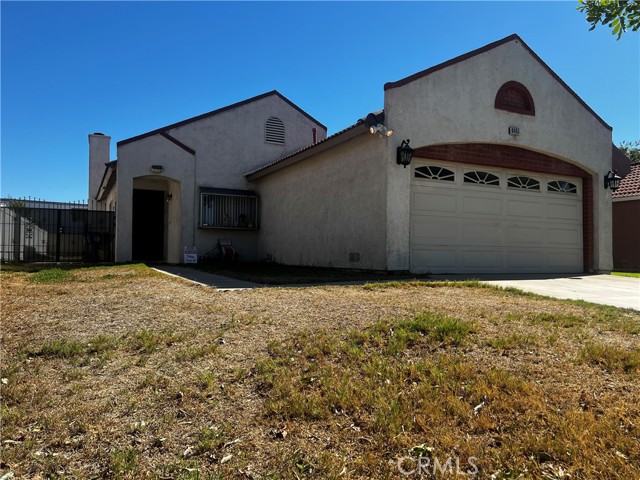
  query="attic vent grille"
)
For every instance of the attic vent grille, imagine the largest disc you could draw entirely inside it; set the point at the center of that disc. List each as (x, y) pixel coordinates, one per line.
(274, 131)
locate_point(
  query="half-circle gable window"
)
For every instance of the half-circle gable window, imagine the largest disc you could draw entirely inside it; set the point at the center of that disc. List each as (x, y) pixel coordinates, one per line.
(514, 97)
(274, 131)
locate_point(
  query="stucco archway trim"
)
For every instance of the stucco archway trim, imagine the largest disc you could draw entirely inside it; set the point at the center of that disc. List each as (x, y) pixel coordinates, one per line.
(507, 156)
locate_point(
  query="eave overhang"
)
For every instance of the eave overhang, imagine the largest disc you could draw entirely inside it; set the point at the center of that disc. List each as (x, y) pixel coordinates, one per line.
(108, 180)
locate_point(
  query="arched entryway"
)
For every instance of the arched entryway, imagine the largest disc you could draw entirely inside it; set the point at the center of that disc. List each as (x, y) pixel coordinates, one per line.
(155, 228)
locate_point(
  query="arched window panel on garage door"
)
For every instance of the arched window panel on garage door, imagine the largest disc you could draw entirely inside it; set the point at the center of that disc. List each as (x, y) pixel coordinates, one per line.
(433, 172)
(525, 183)
(562, 186)
(481, 178)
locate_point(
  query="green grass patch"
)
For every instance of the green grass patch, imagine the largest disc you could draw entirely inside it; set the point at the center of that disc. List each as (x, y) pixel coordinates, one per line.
(189, 354)
(62, 348)
(148, 341)
(102, 344)
(626, 274)
(426, 283)
(512, 341)
(603, 316)
(610, 357)
(437, 327)
(209, 440)
(69, 348)
(557, 319)
(123, 462)
(39, 267)
(615, 319)
(51, 275)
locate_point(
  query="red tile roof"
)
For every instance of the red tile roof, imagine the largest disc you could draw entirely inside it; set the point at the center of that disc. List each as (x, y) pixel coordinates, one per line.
(630, 184)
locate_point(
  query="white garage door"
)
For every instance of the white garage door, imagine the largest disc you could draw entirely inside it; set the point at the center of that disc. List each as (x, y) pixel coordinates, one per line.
(475, 219)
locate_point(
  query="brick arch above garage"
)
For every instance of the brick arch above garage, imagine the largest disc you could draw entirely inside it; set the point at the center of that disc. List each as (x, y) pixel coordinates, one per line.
(508, 156)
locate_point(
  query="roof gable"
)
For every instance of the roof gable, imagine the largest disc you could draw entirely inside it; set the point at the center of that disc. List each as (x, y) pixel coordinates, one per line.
(218, 111)
(486, 48)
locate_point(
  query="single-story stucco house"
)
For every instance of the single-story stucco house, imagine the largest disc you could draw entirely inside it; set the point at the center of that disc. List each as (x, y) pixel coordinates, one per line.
(626, 222)
(506, 175)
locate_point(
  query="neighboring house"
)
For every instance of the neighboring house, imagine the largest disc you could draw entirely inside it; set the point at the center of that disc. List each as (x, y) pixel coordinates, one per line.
(507, 176)
(626, 222)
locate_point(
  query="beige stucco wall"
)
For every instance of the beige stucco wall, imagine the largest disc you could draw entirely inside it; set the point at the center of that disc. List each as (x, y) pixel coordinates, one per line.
(135, 160)
(317, 211)
(456, 105)
(227, 145)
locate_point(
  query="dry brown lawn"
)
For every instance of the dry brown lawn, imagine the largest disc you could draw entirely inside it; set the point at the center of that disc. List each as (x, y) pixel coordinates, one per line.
(122, 372)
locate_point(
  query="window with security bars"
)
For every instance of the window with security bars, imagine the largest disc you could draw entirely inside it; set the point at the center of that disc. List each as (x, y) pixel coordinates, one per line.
(221, 208)
(274, 131)
(433, 172)
(561, 186)
(526, 183)
(481, 178)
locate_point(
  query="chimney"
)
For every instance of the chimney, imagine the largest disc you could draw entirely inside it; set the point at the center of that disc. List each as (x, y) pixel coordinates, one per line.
(98, 156)
(315, 135)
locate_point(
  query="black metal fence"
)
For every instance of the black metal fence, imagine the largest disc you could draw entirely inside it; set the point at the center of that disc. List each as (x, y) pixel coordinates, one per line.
(40, 231)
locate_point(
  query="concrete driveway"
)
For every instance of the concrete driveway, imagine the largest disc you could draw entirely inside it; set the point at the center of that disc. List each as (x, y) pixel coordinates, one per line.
(605, 289)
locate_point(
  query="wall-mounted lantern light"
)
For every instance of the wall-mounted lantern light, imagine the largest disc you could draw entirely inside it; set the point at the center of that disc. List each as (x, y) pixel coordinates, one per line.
(169, 197)
(612, 181)
(157, 169)
(404, 154)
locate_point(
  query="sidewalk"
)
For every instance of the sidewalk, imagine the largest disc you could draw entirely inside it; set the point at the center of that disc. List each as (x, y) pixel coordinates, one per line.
(218, 282)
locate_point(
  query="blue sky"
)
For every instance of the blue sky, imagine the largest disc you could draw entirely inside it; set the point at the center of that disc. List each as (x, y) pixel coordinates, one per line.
(124, 68)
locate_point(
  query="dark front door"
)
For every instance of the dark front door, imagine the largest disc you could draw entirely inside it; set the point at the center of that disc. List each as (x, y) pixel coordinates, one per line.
(148, 225)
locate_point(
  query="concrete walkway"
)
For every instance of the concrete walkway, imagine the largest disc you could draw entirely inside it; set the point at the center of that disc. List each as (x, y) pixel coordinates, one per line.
(623, 292)
(218, 282)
